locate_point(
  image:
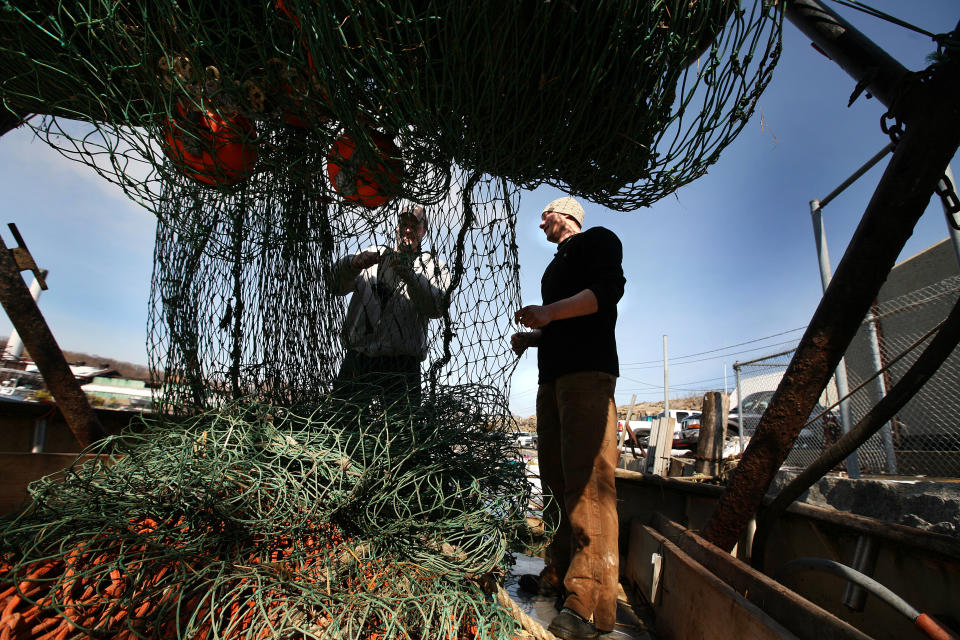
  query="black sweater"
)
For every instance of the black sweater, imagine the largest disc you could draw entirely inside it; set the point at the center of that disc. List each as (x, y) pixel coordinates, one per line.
(587, 260)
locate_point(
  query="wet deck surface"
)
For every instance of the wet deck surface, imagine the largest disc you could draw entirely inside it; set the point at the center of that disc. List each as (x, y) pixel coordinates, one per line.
(541, 609)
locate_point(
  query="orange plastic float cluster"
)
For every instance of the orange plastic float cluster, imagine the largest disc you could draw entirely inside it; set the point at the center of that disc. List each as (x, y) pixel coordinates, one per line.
(209, 148)
(219, 149)
(91, 588)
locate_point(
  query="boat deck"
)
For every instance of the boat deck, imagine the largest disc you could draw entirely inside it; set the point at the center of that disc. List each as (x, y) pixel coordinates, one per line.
(629, 625)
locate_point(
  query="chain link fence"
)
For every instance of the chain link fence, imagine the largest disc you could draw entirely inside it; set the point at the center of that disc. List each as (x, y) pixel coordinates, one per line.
(923, 439)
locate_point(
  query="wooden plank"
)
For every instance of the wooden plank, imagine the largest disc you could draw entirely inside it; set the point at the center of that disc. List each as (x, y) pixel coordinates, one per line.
(802, 617)
(691, 602)
(20, 469)
(657, 461)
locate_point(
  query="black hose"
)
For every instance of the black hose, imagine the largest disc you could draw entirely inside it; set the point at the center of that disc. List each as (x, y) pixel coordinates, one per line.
(845, 572)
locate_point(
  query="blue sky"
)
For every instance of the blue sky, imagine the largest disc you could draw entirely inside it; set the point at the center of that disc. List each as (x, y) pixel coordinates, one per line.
(732, 258)
(727, 260)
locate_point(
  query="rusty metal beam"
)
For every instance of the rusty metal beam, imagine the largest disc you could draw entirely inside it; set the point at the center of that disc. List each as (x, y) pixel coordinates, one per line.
(36, 335)
(931, 110)
(945, 340)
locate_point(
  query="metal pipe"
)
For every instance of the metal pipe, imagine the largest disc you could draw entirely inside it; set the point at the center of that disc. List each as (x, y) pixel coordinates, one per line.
(876, 360)
(746, 543)
(39, 435)
(736, 367)
(864, 561)
(876, 72)
(840, 375)
(869, 164)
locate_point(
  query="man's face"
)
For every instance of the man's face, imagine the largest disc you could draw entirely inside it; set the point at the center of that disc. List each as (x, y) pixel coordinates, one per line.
(553, 225)
(410, 231)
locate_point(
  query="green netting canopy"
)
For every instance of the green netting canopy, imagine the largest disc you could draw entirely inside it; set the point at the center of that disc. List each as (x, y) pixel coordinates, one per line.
(274, 142)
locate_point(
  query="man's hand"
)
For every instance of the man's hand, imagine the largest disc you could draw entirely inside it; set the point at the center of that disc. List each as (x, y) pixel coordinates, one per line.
(522, 340)
(399, 263)
(533, 316)
(365, 259)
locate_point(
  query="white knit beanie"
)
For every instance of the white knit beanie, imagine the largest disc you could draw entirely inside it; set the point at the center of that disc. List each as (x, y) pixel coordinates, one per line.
(567, 206)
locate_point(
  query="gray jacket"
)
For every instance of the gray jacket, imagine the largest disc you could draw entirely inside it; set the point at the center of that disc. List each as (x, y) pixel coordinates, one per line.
(387, 314)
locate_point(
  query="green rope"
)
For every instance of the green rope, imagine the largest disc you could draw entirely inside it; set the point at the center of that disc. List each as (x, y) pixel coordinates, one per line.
(363, 520)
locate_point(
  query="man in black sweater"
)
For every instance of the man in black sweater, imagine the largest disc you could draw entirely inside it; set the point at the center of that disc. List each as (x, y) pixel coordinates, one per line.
(576, 417)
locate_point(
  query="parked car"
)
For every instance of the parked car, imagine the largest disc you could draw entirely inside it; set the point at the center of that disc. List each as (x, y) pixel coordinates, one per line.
(642, 431)
(689, 432)
(824, 425)
(526, 440)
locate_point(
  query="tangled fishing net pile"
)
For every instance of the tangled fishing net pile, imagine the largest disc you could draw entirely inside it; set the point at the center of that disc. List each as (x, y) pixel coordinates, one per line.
(273, 140)
(342, 520)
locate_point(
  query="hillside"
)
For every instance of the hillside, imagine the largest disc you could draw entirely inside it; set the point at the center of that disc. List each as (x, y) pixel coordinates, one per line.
(129, 370)
(641, 409)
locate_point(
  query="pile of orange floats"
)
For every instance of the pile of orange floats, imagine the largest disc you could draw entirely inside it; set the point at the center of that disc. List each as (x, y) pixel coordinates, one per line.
(218, 149)
(120, 587)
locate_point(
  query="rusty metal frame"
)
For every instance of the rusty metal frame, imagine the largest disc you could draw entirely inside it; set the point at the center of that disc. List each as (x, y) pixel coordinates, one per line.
(25, 315)
(930, 108)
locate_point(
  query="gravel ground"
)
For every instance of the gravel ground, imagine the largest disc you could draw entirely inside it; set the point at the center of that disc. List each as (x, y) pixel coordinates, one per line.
(929, 505)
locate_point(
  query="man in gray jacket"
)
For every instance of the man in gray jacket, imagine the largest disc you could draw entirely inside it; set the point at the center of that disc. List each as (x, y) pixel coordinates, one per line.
(396, 290)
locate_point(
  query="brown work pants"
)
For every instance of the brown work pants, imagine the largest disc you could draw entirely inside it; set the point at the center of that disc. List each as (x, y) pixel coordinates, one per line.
(577, 450)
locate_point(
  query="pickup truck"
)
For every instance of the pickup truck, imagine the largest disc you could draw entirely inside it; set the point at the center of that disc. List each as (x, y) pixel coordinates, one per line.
(641, 428)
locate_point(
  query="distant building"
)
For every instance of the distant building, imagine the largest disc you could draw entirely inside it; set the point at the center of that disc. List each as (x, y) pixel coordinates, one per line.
(21, 380)
(82, 371)
(119, 393)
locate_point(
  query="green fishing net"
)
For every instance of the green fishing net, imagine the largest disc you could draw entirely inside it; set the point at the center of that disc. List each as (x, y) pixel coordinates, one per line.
(343, 519)
(274, 142)
(618, 102)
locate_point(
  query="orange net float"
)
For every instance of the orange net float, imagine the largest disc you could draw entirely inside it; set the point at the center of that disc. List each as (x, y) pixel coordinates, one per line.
(209, 148)
(368, 186)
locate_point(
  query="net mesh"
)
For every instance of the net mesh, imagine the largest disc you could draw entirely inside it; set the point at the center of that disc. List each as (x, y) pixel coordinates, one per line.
(278, 144)
(620, 103)
(343, 519)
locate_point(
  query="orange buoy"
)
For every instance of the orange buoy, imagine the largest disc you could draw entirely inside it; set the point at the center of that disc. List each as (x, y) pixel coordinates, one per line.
(365, 185)
(209, 148)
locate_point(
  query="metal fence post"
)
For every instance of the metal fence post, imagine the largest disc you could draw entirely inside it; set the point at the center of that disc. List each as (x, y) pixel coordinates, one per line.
(666, 379)
(840, 374)
(886, 432)
(736, 368)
